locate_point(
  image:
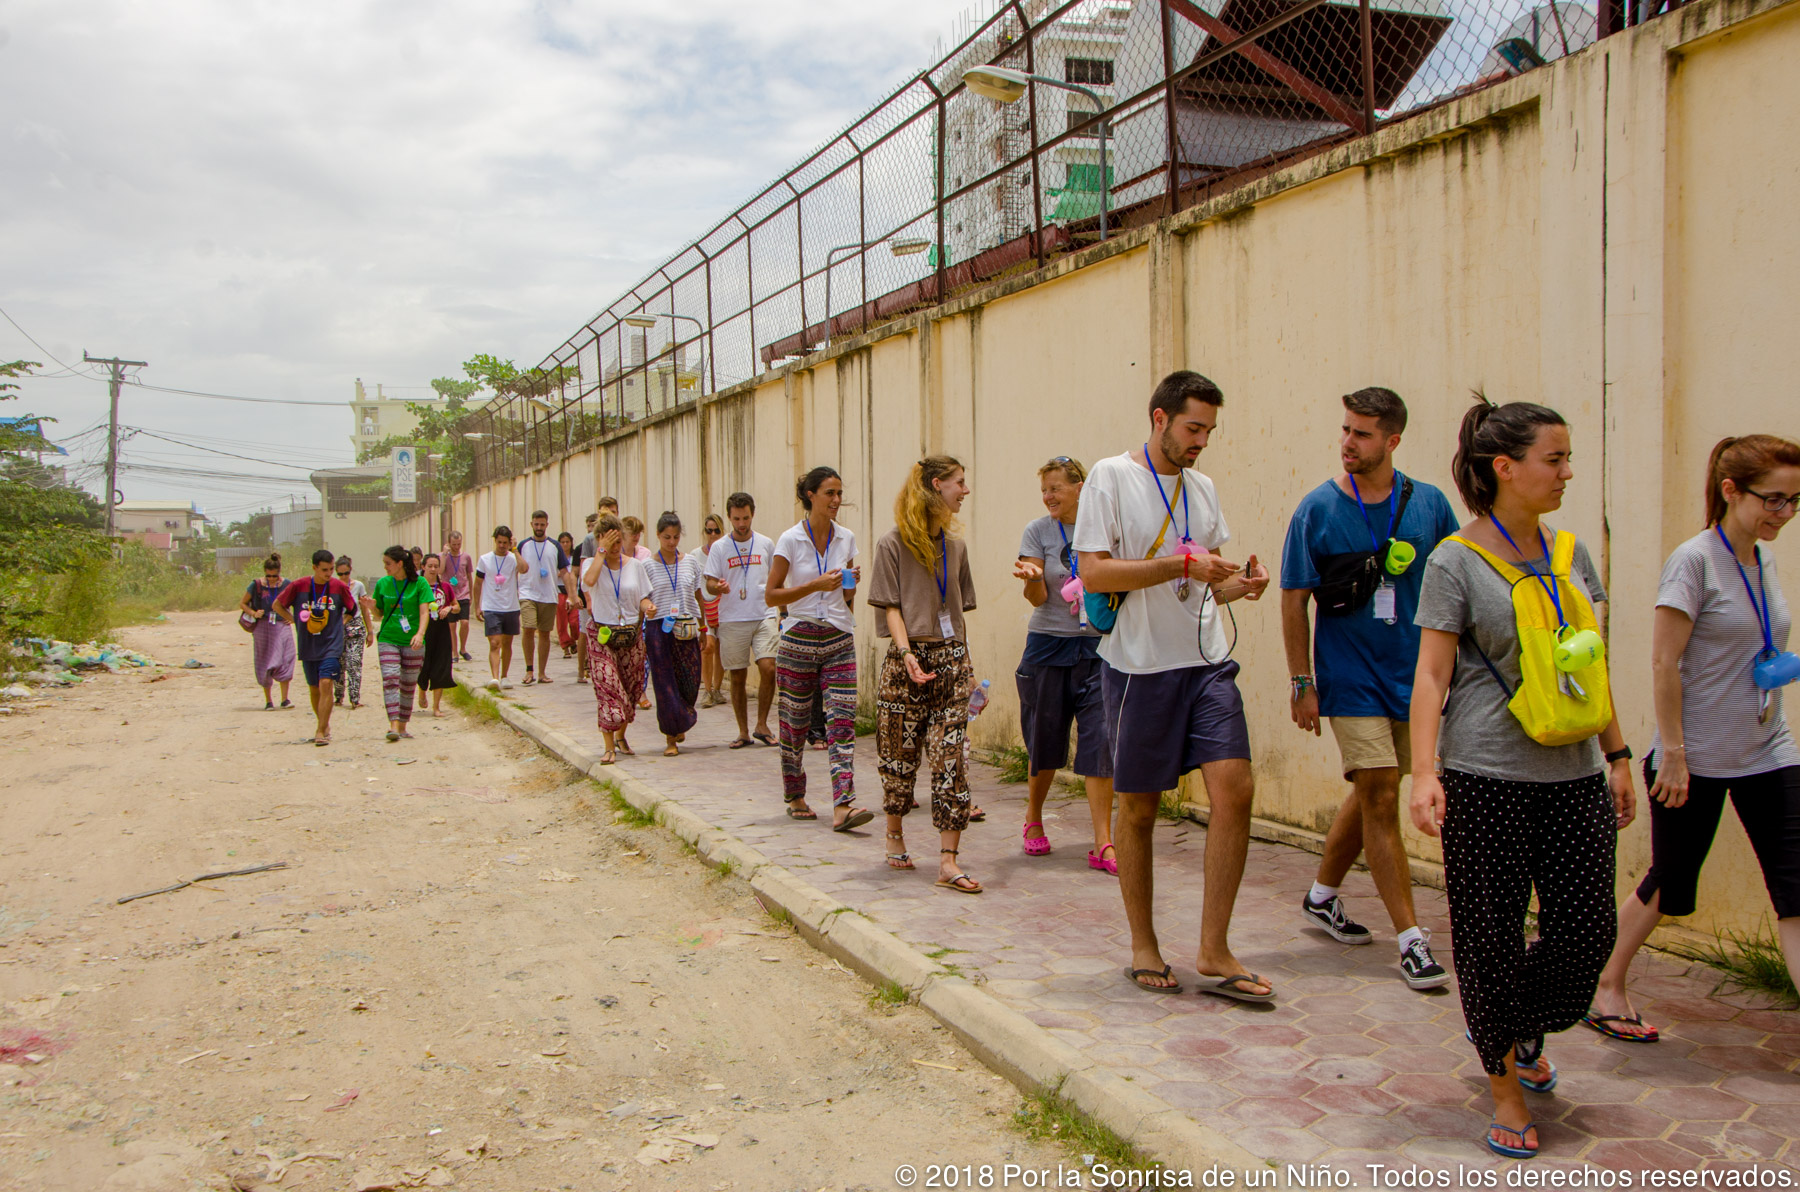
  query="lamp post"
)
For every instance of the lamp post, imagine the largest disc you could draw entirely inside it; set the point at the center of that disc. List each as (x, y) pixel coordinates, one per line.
(905, 246)
(1006, 85)
(648, 319)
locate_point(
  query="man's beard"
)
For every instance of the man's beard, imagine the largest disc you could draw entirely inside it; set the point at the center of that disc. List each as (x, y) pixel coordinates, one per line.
(1172, 451)
(1364, 465)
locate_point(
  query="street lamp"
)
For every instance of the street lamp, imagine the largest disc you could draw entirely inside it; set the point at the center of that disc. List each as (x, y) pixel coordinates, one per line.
(905, 246)
(1006, 85)
(648, 320)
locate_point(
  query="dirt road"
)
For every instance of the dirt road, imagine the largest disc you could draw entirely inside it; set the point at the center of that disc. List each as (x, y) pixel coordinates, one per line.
(469, 974)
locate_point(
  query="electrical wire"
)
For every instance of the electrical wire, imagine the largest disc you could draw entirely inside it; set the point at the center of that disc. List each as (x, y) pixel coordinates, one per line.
(215, 451)
(262, 401)
(46, 351)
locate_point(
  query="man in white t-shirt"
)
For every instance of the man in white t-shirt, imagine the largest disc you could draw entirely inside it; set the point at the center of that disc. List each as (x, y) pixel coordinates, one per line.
(1150, 528)
(497, 596)
(544, 571)
(737, 569)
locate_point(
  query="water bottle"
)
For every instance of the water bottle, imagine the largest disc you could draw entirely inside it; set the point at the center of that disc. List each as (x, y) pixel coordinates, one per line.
(978, 698)
(849, 580)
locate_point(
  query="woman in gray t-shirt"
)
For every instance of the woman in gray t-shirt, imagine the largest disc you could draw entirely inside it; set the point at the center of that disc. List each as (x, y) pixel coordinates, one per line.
(1717, 732)
(1514, 815)
(1059, 674)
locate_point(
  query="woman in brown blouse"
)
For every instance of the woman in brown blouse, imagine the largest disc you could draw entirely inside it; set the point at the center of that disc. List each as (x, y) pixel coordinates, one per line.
(921, 582)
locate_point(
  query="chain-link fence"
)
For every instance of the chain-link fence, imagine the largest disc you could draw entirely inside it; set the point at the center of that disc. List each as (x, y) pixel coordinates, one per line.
(1047, 127)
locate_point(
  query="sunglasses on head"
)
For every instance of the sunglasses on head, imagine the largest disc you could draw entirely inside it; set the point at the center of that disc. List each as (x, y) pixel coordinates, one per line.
(1059, 460)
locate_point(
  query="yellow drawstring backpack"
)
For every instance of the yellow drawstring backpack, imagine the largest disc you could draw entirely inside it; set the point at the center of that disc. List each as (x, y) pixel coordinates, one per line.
(1555, 706)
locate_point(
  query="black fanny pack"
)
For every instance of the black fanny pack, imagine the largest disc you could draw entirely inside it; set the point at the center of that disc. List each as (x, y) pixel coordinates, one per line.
(1347, 581)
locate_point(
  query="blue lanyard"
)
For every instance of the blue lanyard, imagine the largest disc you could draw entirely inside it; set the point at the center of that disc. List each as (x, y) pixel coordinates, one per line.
(740, 554)
(1187, 519)
(674, 592)
(618, 598)
(1549, 586)
(1762, 579)
(830, 534)
(1393, 511)
(541, 542)
(943, 577)
(1074, 564)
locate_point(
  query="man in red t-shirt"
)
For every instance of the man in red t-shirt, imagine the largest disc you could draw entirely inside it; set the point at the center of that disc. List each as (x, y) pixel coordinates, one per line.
(324, 602)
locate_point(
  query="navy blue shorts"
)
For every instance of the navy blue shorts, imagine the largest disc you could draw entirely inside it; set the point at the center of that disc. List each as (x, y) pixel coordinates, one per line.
(500, 624)
(1174, 721)
(1052, 699)
(324, 668)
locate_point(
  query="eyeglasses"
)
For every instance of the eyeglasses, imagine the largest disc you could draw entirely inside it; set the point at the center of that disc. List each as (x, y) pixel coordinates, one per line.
(1774, 503)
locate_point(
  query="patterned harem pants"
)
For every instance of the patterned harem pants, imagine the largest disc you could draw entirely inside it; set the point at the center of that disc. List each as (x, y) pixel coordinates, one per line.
(810, 657)
(399, 678)
(932, 719)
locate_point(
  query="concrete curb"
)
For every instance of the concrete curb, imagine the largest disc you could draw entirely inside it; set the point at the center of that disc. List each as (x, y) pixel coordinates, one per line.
(1002, 1038)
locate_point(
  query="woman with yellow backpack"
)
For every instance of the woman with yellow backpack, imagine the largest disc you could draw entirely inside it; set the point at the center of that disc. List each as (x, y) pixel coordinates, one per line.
(1510, 770)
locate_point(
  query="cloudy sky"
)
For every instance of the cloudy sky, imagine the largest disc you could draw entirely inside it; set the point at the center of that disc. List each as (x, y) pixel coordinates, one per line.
(273, 199)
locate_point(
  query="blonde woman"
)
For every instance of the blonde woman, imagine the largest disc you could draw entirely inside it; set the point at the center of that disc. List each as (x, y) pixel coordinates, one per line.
(921, 581)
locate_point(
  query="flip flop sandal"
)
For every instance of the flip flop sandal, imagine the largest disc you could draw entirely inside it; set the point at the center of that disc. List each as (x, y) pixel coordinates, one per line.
(528, 681)
(765, 738)
(977, 816)
(955, 881)
(905, 862)
(1599, 1021)
(392, 735)
(1534, 1053)
(1233, 987)
(607, 759)
(546, 678)
(1167, 973)
(808, 814)
(627, 750)
(855, 819)
(321, 742)
(1510, 1152)
(739, 743)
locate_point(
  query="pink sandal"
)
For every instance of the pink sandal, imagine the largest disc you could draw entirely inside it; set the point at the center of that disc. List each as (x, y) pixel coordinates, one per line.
(1038, 846)
(1109, 864)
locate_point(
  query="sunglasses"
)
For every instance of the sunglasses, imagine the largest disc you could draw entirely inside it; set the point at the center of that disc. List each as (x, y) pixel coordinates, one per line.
(713, 531)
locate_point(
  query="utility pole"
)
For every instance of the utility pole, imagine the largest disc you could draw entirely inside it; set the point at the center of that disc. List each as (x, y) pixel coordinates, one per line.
(112, 429)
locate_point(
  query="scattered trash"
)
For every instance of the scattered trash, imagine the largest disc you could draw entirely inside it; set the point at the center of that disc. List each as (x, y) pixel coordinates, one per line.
(555, 1051)
(198, 1055)
(205, 877)
(407, 761)
(771, 959)
(278, 1167)
(196, 664)
(607, 1001)
(705, 1142)
(16, 691)
(343, 1101)
(65, 659)
(300, 1097)
(663, 1150)
(623, 1110)
(557, 875)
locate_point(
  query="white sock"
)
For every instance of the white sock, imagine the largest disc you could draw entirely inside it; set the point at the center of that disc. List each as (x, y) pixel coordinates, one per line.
(1408, 936)
(1321, 894)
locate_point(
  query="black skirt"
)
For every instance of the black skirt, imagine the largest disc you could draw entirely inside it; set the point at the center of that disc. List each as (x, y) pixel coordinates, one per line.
(440, 656)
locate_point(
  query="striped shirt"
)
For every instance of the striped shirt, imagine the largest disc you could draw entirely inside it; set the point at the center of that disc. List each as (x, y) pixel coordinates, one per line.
(673, 586)
(1719, 696)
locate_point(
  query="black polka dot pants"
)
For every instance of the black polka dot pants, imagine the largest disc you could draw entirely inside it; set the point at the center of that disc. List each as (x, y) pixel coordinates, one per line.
(1502, 839)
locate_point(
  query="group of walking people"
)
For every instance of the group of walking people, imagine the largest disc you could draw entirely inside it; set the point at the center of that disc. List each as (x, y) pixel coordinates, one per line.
(1466, 654)
(325, 621)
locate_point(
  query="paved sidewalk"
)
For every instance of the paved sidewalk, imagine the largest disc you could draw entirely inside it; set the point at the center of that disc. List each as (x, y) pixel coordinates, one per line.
(1348, 1067)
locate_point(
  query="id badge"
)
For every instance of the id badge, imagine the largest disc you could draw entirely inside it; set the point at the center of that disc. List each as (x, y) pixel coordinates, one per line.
(946, 629)
(1385, 605)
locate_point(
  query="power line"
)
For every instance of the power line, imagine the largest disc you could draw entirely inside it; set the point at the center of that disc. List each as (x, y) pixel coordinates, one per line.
(261, 401)
(46, 351)
(215, 451)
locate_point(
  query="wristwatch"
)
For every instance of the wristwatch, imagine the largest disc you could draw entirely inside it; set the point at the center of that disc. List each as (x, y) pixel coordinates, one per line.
(1619, 755)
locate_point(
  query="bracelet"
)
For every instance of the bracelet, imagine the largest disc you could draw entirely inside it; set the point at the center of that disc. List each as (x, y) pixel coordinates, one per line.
(1302, 681)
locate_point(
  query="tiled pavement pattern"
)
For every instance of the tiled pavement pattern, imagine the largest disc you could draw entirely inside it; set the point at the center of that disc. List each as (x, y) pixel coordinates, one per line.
(1348, 1067)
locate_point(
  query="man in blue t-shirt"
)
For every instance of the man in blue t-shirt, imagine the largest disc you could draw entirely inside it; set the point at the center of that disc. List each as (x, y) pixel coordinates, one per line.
(1357, 547)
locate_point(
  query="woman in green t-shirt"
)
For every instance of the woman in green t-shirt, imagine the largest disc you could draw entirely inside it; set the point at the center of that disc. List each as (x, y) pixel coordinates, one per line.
(402, 601)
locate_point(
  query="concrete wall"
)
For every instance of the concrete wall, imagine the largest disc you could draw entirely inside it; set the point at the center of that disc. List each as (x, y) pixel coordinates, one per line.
(1610, 235)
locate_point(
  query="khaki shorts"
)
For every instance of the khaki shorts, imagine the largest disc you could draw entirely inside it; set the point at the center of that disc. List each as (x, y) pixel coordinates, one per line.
(538, 614)
(742, 641)
(1373, 743)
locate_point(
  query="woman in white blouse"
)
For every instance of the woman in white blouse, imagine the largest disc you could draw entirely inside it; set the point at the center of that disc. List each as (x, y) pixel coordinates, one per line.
(620, 600)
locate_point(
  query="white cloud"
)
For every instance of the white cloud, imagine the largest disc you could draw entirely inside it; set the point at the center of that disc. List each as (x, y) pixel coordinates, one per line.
(274, 199)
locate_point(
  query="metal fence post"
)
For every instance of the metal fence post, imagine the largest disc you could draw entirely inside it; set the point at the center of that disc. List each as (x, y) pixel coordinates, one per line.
(943, 151)
(1031, 117)
(1368, 69)
(712, 347)
(1174, 137)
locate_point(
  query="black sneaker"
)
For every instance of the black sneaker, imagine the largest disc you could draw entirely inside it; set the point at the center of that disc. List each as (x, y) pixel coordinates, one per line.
(1420, 970)
(1338, 925)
